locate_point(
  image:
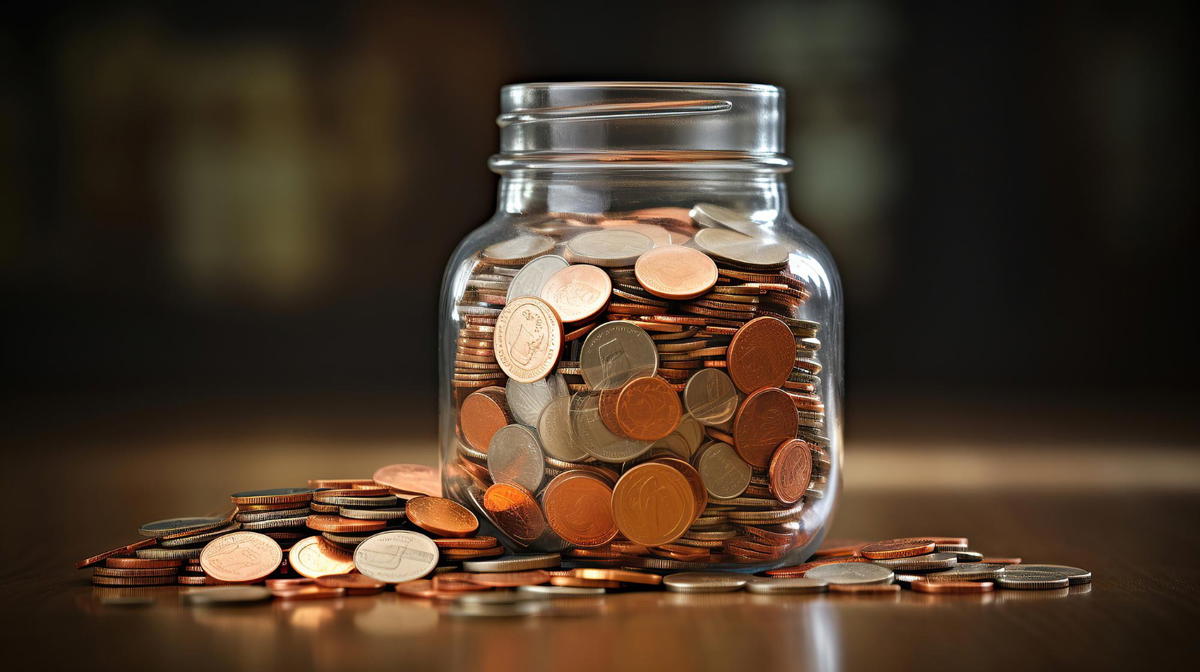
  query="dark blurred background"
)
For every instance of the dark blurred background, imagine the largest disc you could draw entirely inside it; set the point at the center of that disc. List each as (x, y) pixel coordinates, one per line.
(250, 204)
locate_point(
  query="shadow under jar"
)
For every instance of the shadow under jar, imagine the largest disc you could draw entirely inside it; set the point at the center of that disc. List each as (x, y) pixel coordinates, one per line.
(641, 351)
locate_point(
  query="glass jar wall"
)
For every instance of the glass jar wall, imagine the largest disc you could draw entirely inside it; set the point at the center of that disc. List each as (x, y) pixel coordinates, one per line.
(641, 351)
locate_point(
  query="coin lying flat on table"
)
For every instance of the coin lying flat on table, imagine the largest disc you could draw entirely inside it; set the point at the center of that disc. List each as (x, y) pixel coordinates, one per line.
(704, 582)
(787, 585)
(1074, 574)
(515, 563)
(917, 563)
(159, 528)
(851, 572)
(1018, 579)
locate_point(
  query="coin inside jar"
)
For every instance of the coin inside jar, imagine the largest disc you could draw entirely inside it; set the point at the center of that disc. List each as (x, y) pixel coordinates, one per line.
(482, 414)
(577, 292)
(710, 397)
(526, 400)
(610, 248)
(615, 353)
(518, 250)
(515, 456)
(711, 216)
(528, 339)
(441, 516)
(725, 474)
(740, 249)
(593, 436)
(675, 272)
(653, 504)
(533, 276)
(514, 511)
(554, 429)
(578, 508)
(647, 409)
(790, 470)
(761, 354)
(764, 420)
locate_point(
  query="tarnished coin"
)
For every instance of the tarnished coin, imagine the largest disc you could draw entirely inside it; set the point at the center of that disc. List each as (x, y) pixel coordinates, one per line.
(159, 528)
(396, 556)
(712, 216)
(787, 586)
(554, 429)
(764, 420)
(483, 412)
(518, 250)
(514, 510)
(740, 249)
(515, 563)
(610, 248)
(725, 474)
(851, 572)
(515, 456)
(577, 292)
(615, 353)
(675, 272)
(578, 508)
(1018, 579)
(528, 339)
(533, 276)
(761, 354)
(591, 434)
(704, 582)
(241, 556)
(1074, 574)
(218, 595)
(527, 400)
(653, 504)
(790, 470)
(710, 397)
(919, 563)
(315, 557)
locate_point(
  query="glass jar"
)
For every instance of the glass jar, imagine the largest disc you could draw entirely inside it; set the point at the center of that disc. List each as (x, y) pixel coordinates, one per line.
(641, 351)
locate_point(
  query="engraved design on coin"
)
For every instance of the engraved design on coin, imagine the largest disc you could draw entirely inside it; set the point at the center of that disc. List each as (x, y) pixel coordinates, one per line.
(653, 504)
(530, 280)
(241, 556)
(396, 556)
(615, 353)
(528, 339)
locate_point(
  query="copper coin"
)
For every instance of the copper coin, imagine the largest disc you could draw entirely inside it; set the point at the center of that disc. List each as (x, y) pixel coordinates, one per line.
(413, 478)
(576, 582)
(578, 508)
(675, 272)
(699, 492)
(528, 339)
(514, 511)
(119, 571)
(621, 575)
(442, 517)
(864, 588)
(140, 563)
(339, 483)
(468, 542)
(482, 414)
(363, 491)
(315, 557)
(761, 354)
(531, 577)
(472, 553)
(653, 504)
(898, 548)
(790, 470)
(354, 584)
(765, 419)
(241, 556)
(1001, 561)
(647, 409)
(956, 587)
(330, 523)
(577, 292)
(273, 496)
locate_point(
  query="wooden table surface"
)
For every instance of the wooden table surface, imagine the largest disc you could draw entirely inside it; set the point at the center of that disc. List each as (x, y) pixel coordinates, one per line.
(76, 490)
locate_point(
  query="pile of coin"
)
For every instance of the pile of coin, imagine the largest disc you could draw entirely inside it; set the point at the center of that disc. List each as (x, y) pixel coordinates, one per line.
(644, 388)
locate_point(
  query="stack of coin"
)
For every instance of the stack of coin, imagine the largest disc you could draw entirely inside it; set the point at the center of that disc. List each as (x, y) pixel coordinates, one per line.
(641, 388)
(278, 513)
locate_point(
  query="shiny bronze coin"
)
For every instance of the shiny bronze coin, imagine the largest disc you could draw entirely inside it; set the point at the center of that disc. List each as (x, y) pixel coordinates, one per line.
(241, 556)
(140, 563)
(653, 504)
(950, 543)
(675, 272)
(330, 523)
(761, 354)
(578, 508)
(466, 542)
(411, 478)
(577, 292)
(339, 483)
(647, 409)
(790, 470)
(897, 548)
(764, 420)
(272, 496)
(514, 511)
(315, 557)
(953, 587)
(483, 413)
(472, 553)
(620, 575)
(531, 577)
(864, 588)
(579, 332)
(528, 339)
(442, 517)
(353, 584)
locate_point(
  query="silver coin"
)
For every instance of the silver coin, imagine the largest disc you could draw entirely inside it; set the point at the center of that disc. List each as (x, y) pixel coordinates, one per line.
(514, 563)
(740, 249)
(561, 591)
(371, 514)
(533, 276)
(964, 556)
(169, 553)
(554, 429)
(176, 525)
(710, 397)
(610, 247)
(851, 573)
(396, 556)
(276, 524)
(1074, 574)
(515, 456)
(518, 250)
(674, 445)
(225, 595)
(918, 563)
(692, 432)
(256, 516)
(203, 537)
(787, 586)
(704, 582)
(969, 571)
(615, 353)
(381, 501)
(526, 400)
(591, 434)
(711, 216)
(725, 474)
(1017, 579)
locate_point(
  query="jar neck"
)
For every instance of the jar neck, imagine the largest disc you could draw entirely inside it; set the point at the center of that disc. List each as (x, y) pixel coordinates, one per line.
(763, 195)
